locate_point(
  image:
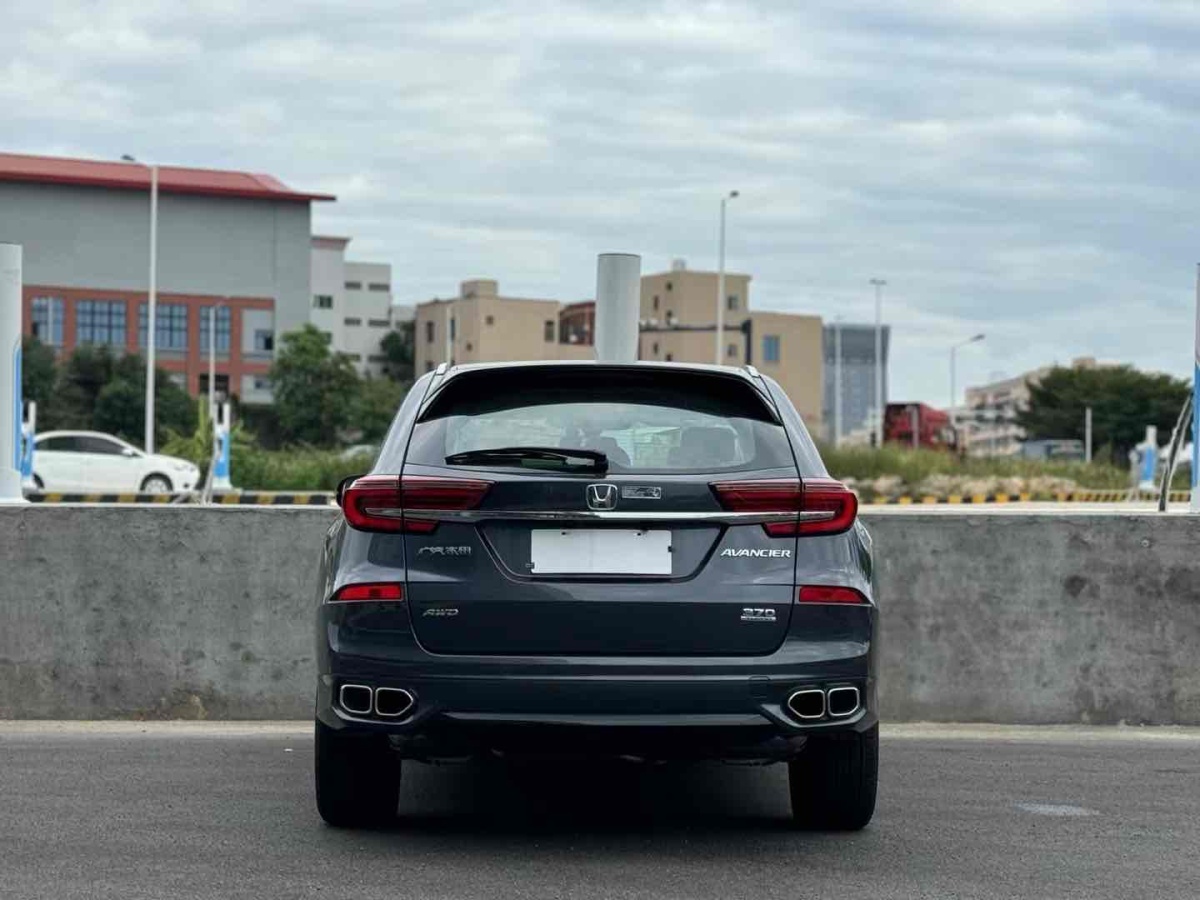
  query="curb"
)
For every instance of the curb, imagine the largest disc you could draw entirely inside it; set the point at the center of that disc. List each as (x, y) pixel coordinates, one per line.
(248, 498)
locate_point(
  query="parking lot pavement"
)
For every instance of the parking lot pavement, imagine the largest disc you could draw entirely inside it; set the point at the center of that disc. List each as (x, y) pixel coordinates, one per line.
(155, 811)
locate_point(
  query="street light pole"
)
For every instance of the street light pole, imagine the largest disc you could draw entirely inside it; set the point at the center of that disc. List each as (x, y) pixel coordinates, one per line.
(954, 381)
(720, 348)
(878, 283)
(151, 303)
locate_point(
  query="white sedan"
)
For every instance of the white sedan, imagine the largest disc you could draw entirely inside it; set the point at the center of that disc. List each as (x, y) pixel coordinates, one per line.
(88, 461)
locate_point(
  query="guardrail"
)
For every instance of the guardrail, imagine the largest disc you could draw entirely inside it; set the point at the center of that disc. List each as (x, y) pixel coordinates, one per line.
(1064, 497)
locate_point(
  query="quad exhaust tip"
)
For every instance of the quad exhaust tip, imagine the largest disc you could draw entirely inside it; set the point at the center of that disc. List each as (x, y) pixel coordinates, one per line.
(392, 703)
(807, 704)
(355, 698)
(842, 701)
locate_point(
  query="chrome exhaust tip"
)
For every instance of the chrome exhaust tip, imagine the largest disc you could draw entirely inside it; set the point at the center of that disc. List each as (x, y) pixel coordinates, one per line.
(843, 701)
(355, 698)
(392, 703)
(807, 704)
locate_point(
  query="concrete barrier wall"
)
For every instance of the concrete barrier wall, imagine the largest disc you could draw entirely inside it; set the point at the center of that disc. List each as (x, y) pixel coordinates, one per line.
(178, 612)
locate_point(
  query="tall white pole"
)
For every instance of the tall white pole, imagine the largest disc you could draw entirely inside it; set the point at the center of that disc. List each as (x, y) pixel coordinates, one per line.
(1195, 500)
(10, 374)
(878, 283)
(449, 336)
(1087, 435)
(954, 394)
(151, 308)
(212, 362)
(837, 382)
(720, 339)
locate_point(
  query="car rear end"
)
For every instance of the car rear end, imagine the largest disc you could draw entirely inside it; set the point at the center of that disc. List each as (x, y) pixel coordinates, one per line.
(590, 559)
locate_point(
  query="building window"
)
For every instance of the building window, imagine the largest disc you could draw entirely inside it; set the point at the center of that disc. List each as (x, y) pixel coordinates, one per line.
(377, 358)
(548, 331)
(670, 357)
(220, 383)
(264, 340)
(354, 357)
(429, 332)
(453, 329)
(323, 301)
(170, 326)
(354, 285)
(655, 303)
(47, 320)
(731, 302)
(352, 320)
(100, 322)
(490, 320)
(654, 350)
(378, 286)
(379, 323)
(668, 286)
(771, 348)
(731, 350)
(223, 328)
(428, 366)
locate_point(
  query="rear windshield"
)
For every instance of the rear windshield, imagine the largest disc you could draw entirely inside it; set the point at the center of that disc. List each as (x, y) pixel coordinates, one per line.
(643, 422)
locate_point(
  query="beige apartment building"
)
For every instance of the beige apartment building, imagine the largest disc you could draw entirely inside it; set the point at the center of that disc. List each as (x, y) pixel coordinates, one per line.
(678, 312)
(479, 325)
(678, 323)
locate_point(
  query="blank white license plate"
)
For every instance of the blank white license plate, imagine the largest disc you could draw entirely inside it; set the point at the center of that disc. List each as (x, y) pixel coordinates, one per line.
(595, 551)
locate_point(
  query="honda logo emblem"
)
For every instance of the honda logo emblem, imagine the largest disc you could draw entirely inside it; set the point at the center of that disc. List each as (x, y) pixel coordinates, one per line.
(602, 496)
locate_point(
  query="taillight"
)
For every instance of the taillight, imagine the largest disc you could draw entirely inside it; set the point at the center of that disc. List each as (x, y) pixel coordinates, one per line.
(361, 593)
(820, 593)
(836, 504)
(388, 502)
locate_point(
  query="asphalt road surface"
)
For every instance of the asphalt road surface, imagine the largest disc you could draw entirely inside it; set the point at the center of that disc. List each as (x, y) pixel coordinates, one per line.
(160, 811)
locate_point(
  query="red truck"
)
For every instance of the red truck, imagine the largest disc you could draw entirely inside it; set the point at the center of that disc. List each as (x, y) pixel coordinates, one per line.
(932, 427)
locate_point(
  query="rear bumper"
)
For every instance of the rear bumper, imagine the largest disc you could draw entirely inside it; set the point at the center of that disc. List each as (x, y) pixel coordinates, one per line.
(712, 707)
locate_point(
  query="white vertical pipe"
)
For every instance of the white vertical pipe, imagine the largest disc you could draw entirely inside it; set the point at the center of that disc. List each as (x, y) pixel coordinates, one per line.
(10, 374)
(212, 362)
(151, 306)
(618, 304)
(1087, 435)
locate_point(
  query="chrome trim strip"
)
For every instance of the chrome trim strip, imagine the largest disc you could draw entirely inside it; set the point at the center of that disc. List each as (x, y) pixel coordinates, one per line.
(587, 515)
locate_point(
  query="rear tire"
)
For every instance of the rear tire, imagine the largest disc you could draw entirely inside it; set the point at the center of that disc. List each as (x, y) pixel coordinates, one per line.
(834, 781)
(357, 778)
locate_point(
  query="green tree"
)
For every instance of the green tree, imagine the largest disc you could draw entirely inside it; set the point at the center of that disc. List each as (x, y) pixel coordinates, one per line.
(39, 371)
(314, 389)
(120, 406)
(1123, 401)
(375, 407)
(397, 346)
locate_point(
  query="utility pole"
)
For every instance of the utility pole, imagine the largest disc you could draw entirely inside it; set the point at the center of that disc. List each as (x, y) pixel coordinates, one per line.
(1087, 435)
(837, 381)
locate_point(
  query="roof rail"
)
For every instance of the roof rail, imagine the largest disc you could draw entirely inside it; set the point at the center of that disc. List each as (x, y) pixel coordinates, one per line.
(751, 371)
(441, 369)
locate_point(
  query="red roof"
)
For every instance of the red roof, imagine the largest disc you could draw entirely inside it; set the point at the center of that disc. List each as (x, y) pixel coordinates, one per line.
(134, 176)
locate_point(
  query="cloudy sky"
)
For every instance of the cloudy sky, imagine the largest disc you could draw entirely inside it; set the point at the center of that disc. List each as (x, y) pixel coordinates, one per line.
(1024, 168)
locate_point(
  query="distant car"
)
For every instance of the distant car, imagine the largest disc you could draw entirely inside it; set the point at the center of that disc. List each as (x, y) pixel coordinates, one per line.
(583, 559)
(89, 461)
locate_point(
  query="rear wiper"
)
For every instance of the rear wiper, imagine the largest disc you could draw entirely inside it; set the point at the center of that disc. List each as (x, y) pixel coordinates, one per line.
(534, 457)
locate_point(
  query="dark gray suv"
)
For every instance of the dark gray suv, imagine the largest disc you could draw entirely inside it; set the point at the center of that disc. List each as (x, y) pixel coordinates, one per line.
(583, 559)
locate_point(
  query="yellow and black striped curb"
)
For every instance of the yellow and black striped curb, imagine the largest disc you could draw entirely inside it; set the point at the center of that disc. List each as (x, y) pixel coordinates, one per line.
(248, 498)
(1066, 497)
